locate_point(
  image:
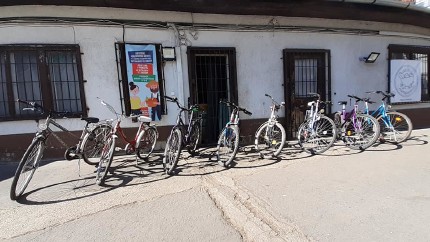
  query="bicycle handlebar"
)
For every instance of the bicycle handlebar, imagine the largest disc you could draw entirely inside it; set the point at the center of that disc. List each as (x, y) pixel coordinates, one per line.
(385, 94)
(175, 100)
(358, 99)
(33, 104)
(39, 107)
(277, 105)
(314, 94)
(235, 106)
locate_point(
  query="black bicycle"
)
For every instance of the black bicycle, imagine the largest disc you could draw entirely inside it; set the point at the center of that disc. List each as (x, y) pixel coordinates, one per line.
(182, 135)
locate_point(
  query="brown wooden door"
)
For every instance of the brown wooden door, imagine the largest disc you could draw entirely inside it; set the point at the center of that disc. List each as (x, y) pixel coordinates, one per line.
(306, 71)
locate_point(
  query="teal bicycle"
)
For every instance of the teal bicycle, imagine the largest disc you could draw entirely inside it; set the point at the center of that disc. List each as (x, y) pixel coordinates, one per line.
(395, 127)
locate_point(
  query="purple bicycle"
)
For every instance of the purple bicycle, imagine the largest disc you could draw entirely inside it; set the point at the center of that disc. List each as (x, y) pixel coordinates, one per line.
(357, 130)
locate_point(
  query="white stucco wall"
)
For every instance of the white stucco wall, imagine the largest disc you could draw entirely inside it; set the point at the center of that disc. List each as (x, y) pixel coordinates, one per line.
(258, 57)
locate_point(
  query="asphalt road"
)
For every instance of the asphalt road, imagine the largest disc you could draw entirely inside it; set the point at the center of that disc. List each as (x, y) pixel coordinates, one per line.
(381, 194)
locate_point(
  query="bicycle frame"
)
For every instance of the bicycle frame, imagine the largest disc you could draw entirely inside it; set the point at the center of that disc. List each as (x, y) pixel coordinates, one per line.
(46, 132)
(181, 125)
(274, 113)
(352, 115)
(380, 112)
(131, 143)
(117, 130)
(311, 114)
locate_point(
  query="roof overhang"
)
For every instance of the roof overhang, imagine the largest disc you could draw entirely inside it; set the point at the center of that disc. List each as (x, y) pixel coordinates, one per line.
(367, 10)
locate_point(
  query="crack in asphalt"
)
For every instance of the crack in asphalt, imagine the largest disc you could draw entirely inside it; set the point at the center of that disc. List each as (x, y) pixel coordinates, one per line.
(249, 217)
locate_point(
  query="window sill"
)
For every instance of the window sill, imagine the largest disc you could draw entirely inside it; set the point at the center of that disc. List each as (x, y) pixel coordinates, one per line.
(411, 105)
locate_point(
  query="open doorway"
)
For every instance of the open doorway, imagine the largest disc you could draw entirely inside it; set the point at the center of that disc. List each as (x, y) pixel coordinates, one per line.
(212, 73)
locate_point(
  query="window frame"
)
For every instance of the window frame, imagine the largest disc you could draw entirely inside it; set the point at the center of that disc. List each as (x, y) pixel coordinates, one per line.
(46, 92)
(410, 50)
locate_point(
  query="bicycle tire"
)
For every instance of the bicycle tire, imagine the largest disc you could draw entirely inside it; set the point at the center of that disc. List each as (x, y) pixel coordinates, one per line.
(146, 142)
(319, 138)
(172, 151)
(229, 137)
(265, 144)
(32, 157)
(106, 158)
(368, 132)
(93, 143)
(194, 139)
(401, 125)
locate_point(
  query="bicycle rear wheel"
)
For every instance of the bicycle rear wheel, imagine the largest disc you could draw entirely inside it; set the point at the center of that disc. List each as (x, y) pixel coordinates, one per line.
(364, 134)
(270, 139)
(318, 138)
(26, 168)
(106, 158)
(395, 128)
(194, 139)
(172, 151)
(146, 142)
(228, 144)
(93, 143)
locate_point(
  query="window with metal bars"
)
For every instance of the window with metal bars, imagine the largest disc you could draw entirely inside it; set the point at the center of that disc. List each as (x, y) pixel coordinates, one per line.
(422, 53)
(50, 75)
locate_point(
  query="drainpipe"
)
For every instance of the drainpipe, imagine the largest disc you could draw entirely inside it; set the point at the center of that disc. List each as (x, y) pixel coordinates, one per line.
(180, 74)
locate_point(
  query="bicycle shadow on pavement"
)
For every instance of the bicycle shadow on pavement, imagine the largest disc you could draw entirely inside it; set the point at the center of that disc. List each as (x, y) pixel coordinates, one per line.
(121, 175)
(416, 140)
(387, 146)
(203, 162)
(7, 169)
(384, 146)
(339, 149)
(65, 191)
(144, 172)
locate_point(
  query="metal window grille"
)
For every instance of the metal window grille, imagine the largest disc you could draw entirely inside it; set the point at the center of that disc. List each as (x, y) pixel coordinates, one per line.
(50, 75)
(415, 53)
(63, 70)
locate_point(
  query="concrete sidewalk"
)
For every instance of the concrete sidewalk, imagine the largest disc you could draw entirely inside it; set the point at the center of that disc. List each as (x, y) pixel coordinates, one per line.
(380, 194)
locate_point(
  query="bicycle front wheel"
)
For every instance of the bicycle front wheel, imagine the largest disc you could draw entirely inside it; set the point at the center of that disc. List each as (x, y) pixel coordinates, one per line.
(146, 142)
(270, 139)
(106, 158)
(318, 137)
(228, 144)
(363, 133)
(26, 168)
(395, 127)
(172, 151)
(194, 139)
(93, 142)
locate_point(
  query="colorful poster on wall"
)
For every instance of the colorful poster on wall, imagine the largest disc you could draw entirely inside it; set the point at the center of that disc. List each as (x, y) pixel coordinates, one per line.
(405, 80)
(143, 82)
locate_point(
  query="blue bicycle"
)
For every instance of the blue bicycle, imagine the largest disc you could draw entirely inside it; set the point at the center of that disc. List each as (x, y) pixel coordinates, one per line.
(395, 127)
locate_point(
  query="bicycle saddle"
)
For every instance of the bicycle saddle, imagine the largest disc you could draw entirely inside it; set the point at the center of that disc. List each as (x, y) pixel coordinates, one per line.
(342, 102)
(144, 119)
(91, 120)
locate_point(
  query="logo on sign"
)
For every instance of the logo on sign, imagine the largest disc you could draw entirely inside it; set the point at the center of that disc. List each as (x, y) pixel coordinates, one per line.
(406, 80)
